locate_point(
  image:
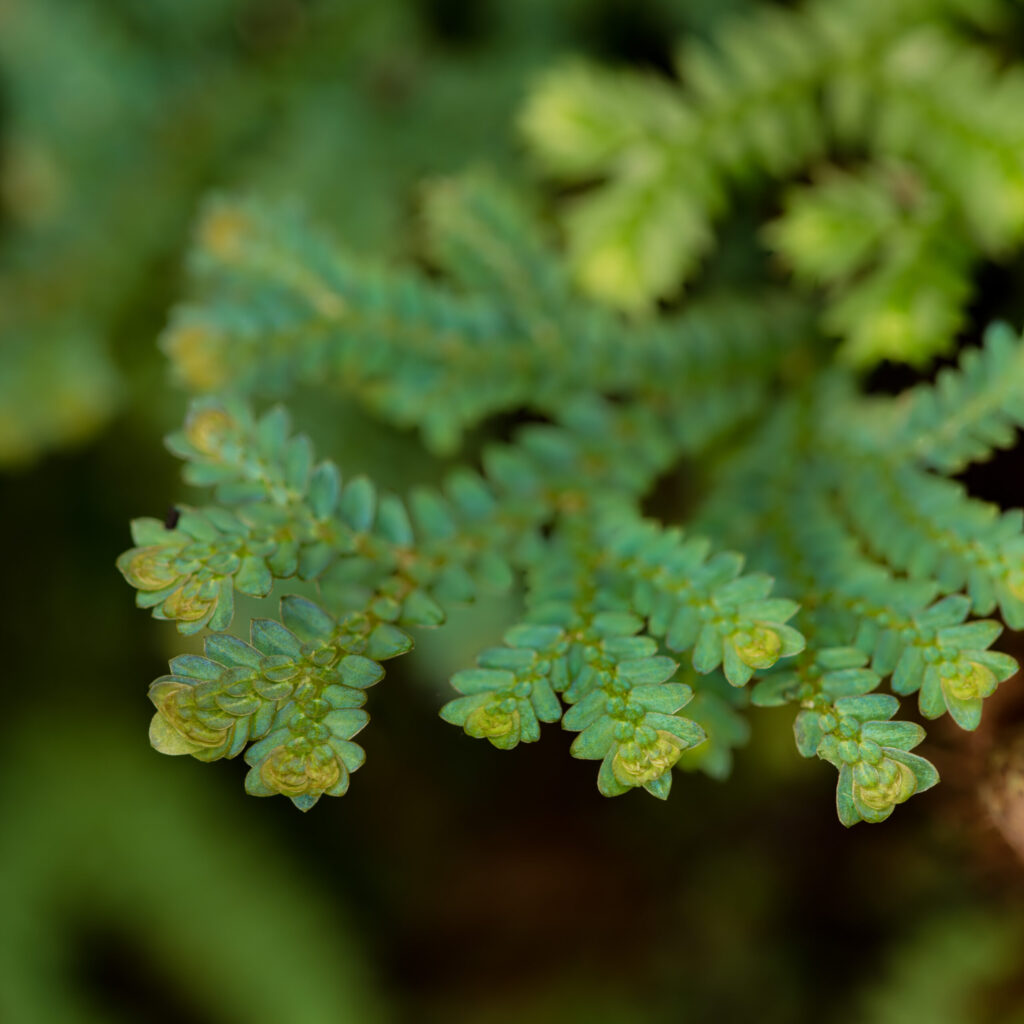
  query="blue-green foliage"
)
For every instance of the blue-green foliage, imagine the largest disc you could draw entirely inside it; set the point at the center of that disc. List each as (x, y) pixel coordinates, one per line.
(862, 566)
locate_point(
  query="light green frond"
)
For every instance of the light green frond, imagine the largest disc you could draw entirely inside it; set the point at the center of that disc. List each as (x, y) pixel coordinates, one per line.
(766, 96)
(946, 105)
(887, 249)
(581, 119)
(825, 555)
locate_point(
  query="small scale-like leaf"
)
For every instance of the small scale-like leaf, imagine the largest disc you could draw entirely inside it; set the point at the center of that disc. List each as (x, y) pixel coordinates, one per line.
(647, 671)
(306, 620)
(324, 489)
(482, 680)
(254, 577)
(387, 641)
(393, 521)
(420, 609)
(360, 672)
(358, 503)
(595, 740)
(272, 638)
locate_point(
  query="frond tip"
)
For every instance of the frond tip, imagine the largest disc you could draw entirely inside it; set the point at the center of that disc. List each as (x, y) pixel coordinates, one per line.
(295, 692)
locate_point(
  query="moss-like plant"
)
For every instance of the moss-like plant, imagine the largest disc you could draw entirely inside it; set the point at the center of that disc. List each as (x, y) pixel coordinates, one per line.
(831, 557)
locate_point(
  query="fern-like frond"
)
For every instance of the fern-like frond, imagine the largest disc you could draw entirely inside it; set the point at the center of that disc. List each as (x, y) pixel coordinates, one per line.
(830, 558)
(927, 527)
(969, 411)
(898, 622)
(946, 104)
(843, 529)
(699, 601)
(480, 233)
(624, 708)
(843, 722)
(382, 566)
(580, 642)
(291, 307)
(295, 694)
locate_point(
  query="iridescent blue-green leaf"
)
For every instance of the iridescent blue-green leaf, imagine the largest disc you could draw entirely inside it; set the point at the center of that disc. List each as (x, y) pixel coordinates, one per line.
(254, 577)
(482, 680)
(360, 672)
(306, 620)
(272, 638)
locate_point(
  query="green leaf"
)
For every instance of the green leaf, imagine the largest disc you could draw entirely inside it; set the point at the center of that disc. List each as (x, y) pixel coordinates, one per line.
(306, 620)
(387, 641)
(647, 671)
(324, 490)
(358, 503)
(272, 638)
(482, 680)
(254, 577)
(393, 521)
(432, 515)
(360, 672)
(420, 609)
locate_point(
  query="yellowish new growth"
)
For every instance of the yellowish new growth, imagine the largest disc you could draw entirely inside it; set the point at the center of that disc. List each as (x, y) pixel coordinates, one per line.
(896, 783)
(489, 721)
(759, 648)
(977, 681)
(198, 357)
(294, 774)
(206, 429)
(150, 568)
(188, 603)
(222, 232)
(634, 763)
(175, 729)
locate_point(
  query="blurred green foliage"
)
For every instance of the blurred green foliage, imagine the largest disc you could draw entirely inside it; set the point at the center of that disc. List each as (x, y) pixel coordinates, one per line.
(918, 89)
(118, 116)
(454, 889)
(232, 936)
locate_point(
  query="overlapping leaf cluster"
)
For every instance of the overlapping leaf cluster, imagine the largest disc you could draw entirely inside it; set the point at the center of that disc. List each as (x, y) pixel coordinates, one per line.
(862, 565)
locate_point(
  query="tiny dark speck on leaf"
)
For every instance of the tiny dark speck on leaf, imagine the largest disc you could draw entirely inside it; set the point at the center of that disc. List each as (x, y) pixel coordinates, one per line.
(172, 517)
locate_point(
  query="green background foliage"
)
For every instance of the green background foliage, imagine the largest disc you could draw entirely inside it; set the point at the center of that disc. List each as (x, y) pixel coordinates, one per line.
(456, 882)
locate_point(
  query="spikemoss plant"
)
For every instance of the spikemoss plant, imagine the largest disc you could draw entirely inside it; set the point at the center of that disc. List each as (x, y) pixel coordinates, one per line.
(831, 558)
